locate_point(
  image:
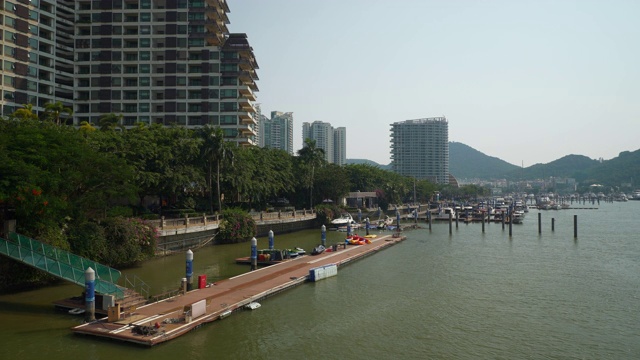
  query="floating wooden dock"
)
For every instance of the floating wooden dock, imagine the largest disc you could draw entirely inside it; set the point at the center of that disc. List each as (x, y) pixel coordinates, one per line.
(165, 320)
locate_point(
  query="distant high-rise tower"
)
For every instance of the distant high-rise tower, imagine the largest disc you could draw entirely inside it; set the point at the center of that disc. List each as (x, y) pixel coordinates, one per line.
(151, 61)
(332, 141)
(340, 146)
(277, 132)
(420, 149)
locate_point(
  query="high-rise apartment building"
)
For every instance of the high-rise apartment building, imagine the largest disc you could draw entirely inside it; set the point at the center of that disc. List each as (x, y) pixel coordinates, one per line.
(340, 145)
(277, 132)
(332, 141)
(169, 62)
(420, 149)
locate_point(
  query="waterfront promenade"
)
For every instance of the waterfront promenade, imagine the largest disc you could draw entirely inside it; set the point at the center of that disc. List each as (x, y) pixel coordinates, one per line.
(166, 320)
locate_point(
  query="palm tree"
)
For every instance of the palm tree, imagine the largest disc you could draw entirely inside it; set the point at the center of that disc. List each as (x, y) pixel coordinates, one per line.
(214, 151)
(25, 113)
(109, 121)
(313, 157)
(53, 111)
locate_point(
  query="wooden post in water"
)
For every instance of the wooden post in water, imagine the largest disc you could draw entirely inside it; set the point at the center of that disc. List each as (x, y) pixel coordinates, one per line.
(450, 223)
(457, 217)
(510, 224)
(575, 226)
(502, 221)
(483, 221)
(539, 223)
(553, 224)
(429, 217)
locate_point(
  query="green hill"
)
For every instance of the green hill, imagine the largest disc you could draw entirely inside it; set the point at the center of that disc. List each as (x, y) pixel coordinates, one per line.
(468, 163)
(568, 166)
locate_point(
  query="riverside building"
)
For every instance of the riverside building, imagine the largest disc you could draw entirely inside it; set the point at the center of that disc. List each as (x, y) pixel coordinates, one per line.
(332, 140)
(168, 62)
(277, 132)
(420, 149)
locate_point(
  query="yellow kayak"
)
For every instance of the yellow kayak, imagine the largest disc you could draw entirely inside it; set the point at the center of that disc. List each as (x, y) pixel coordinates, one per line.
(372, 236)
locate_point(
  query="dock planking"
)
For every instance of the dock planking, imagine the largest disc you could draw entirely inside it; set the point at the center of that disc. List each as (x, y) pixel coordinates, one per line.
(166, 320)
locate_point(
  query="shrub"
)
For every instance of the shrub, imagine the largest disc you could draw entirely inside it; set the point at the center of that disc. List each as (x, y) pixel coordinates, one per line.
(236, 226)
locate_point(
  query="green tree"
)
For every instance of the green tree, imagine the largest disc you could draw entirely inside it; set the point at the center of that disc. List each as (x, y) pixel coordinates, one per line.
(215, 152)
(311, 157)
(25, 113)
(332, 182)
(110, 121)
(53, 111)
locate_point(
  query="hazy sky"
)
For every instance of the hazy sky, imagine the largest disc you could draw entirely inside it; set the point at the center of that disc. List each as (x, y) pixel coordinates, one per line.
(525, 81)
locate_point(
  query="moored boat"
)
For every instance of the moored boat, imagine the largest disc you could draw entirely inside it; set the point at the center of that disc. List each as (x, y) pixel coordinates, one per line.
(318, 250)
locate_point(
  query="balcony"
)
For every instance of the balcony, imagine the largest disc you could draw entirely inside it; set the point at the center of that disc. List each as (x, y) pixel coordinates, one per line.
(247, 93)
(245, 105)
(246, 118)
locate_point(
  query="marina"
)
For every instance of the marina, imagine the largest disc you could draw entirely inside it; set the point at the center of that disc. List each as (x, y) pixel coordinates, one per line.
(168, 319)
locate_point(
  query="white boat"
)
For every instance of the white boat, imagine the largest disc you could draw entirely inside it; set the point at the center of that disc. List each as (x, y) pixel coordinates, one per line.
(76, 311)
(343, 220)
(252, 305)
(443, 214)
(383, 223)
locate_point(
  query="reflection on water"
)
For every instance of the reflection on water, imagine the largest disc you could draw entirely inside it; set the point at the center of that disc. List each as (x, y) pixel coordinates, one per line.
(465, 295)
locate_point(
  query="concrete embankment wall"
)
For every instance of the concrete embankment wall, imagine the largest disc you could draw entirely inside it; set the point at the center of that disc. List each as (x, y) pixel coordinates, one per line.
(182, 241)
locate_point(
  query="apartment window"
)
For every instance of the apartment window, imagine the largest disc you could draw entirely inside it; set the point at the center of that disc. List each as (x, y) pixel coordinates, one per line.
(214, 80)
(181, 94)
(195, 69)
(229, 67)
(116, 43)
(181, 81)
(228, 94)
(145, 4)
(116, 81)
(228, 120)
(181, 68)
(33, 43)
(115, 95)
(213, 107)
(145, 43)
(33, 29)
(145, 17)
(32, 85)
(144, 107)
(145, 68)
(145, 29)
(195, 108)
(195, 82)
(131, 69)
(10, 22)
(130, 82)
(130, 108)
(115, 69)
(32, 71)
(131, 57)
(33, 15)
(196, 42)
(83, 83)
(196, 16)
(9, 51)
(213, 94)
(195, 94)
(145, 55)
(130, 95)
(144, 94)
(145, 81)
(33, 58)
(182, 107)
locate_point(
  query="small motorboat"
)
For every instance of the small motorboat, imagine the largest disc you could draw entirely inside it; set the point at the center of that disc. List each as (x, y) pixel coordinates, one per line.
(252, 305)
(226, 313)
(318, 250)
(76, 311)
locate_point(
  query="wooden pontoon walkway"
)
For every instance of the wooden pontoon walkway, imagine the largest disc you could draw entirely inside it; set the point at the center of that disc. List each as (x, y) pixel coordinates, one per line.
(165, 320)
